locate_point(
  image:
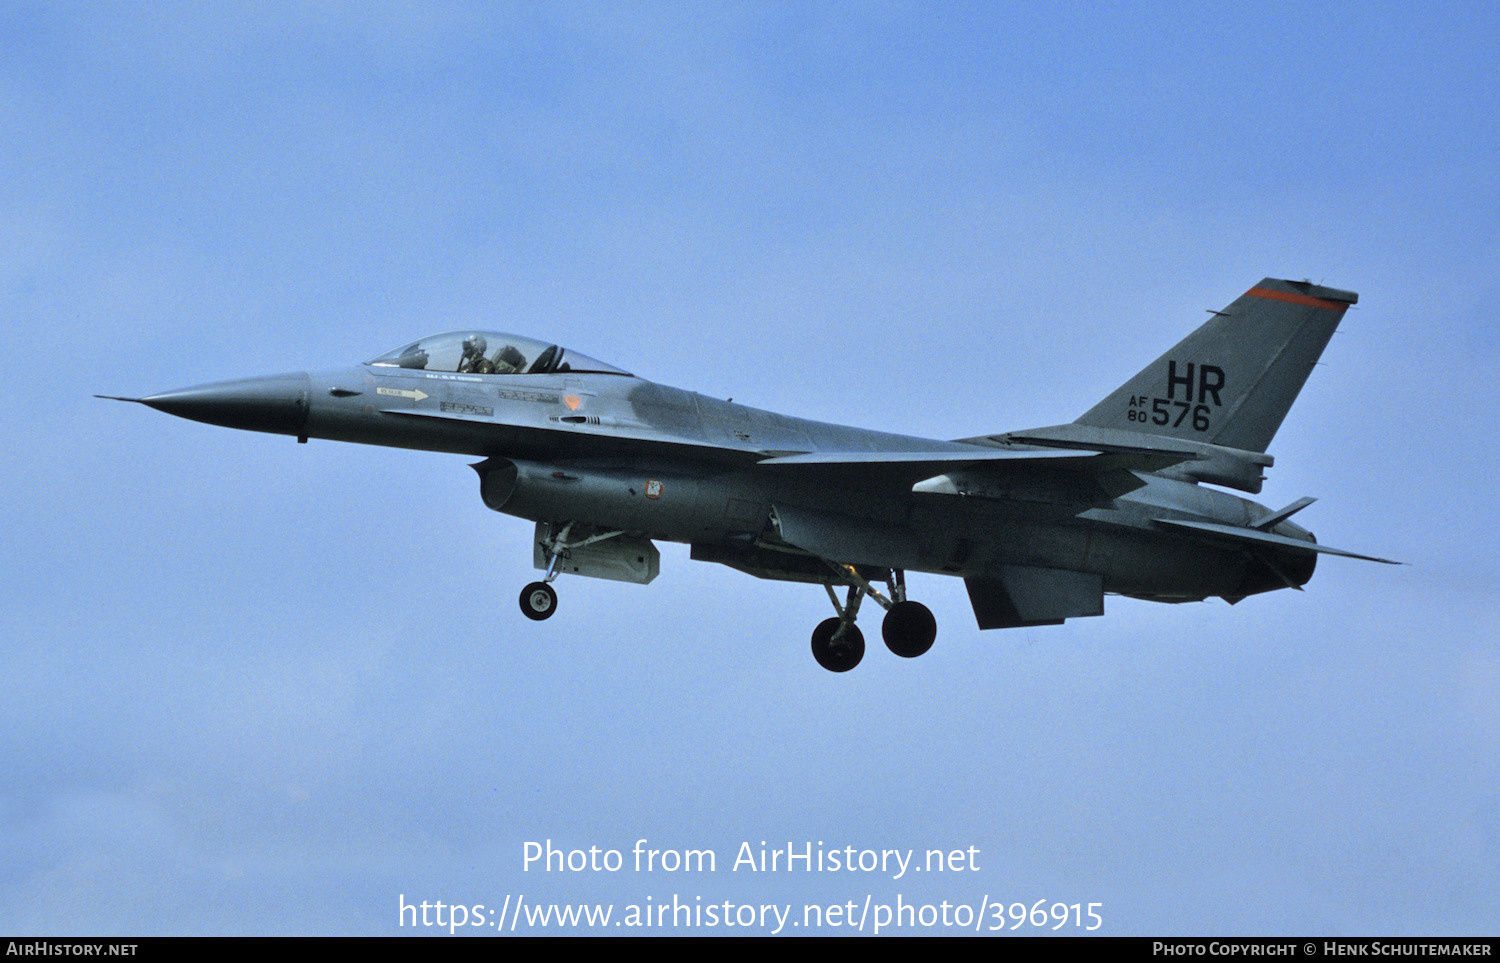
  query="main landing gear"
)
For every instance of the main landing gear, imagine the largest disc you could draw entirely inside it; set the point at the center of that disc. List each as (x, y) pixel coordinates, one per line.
(909, 628)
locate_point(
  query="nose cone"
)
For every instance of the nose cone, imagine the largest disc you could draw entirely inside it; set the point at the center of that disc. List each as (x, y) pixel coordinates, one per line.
(277, 403)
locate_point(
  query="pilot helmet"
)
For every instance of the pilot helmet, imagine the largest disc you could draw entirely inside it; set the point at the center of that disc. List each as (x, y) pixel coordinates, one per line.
(474, 346)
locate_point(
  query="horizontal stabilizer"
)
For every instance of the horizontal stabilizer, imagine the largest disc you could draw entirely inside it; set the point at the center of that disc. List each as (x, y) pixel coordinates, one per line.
(1251, 537)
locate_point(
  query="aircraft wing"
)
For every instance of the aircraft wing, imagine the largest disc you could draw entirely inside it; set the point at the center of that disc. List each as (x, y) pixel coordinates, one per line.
(1255, 538)
(969, 470)
(923, 460)
(952, 471)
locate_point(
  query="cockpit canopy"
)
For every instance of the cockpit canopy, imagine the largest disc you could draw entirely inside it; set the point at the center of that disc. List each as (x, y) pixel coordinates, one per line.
(491, 353)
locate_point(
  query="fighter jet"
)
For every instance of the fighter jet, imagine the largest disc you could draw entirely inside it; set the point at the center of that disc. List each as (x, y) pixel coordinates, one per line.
(1041, 524)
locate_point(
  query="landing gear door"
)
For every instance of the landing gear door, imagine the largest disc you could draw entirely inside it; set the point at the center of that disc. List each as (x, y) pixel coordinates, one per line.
(619, 557)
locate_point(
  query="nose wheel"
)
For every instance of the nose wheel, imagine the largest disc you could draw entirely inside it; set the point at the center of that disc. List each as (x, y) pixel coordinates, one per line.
(538, 601)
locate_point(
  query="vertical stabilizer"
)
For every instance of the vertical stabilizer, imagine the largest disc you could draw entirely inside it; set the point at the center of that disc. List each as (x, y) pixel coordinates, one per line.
(1233, 380)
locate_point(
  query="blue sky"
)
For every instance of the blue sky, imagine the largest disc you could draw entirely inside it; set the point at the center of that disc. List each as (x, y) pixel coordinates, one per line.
(248, 686)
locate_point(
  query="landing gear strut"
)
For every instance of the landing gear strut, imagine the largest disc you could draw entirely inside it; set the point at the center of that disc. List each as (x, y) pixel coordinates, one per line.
(539, 599)
(837, 643)
(909, 628)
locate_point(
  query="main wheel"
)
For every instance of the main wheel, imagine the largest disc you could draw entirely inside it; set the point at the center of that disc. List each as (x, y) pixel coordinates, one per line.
(909, 629)
(538, 601)
(838, 656)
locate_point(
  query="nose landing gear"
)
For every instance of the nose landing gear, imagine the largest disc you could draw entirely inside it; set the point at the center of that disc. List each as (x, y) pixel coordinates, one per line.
(539, 599)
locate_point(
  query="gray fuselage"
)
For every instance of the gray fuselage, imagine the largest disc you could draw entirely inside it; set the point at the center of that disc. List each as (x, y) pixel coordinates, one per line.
(584, 447)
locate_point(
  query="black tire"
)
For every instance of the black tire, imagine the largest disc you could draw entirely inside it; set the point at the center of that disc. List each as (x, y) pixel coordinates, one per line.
(538, 601)
(909, 629)
(843, 656)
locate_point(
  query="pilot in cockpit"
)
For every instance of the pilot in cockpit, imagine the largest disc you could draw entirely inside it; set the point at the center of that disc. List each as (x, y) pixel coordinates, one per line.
(506, 359)
(491, 353)
(473, 361)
